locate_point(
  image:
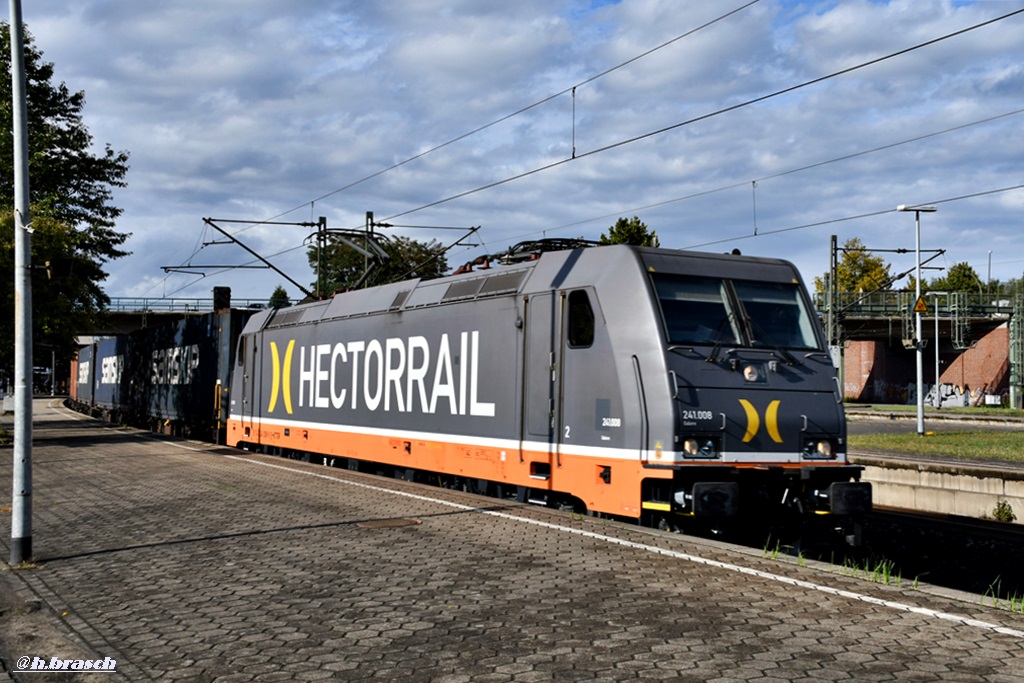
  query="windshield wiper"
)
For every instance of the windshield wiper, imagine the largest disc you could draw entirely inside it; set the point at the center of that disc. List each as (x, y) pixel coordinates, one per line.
(788, 357)
(713, 356)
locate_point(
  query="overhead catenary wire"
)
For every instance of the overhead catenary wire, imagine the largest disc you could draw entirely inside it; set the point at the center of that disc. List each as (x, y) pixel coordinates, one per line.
(680, 124)
(762, 233)
(779, 174)
(844, 219)
(743, 183)
(704, 117)
(724, 188)
(518, 112)
(502, 119)
(571, 89)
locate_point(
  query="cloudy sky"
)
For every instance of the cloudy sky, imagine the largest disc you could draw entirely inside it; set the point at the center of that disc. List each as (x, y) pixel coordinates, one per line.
(765, 126)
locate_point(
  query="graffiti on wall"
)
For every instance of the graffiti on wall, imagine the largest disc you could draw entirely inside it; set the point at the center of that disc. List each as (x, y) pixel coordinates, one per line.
(947, 395)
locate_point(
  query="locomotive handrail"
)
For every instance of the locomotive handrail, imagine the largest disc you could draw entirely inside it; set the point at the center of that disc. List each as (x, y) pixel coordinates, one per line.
(783, 353)
(679, 347)
(644, 425)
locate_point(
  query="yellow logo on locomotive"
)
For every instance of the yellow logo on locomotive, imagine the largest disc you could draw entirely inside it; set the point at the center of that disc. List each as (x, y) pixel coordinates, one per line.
(771, 418)
(277, 381)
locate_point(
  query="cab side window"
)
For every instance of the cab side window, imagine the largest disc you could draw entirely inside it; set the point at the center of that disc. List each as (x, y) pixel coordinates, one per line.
(581, 320)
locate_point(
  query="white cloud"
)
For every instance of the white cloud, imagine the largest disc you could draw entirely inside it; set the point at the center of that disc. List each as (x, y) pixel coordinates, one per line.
(253, 109)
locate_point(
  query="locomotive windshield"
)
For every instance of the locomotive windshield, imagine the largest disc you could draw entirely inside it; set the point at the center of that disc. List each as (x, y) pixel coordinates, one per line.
(708, 310)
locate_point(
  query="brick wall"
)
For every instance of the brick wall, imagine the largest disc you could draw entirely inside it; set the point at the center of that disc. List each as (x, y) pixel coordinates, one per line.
(883, 371)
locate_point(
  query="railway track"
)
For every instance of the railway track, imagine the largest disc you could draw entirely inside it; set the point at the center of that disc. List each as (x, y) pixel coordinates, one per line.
(975, 555)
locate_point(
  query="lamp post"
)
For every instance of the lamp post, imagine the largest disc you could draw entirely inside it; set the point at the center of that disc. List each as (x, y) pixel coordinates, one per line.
(935, 302)
(918, 210)
(21, 484)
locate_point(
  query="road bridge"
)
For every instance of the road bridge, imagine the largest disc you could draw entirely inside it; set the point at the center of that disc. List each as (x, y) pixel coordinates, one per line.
(125, 314)
(954, 321)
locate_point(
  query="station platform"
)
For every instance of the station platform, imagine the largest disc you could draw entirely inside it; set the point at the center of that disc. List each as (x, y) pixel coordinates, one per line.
(182, 561)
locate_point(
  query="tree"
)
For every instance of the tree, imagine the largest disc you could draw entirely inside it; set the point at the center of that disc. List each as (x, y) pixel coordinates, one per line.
(343, 266)
(630, 231)
(960, 278)
(858, 270)
(279, 298)
(72, 215)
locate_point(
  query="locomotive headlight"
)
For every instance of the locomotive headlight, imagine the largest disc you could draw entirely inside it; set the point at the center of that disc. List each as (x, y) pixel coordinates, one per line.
(751, 373)
(700, 448)
(819, 449)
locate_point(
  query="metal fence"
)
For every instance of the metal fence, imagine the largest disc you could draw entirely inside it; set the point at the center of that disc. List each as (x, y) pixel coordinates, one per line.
(127, 304)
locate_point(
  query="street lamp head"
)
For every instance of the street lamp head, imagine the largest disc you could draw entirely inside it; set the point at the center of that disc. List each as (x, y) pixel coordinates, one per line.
(922, 209)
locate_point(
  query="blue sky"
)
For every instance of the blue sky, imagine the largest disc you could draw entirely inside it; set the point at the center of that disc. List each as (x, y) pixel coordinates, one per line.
(259, 110)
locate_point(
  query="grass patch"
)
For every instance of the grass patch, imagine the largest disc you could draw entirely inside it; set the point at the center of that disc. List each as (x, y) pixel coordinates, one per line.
(878, 571)
(969, 444)
(1013, 603)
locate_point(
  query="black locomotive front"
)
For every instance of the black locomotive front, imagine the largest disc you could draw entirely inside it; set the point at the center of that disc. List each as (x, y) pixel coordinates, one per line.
(759, 419)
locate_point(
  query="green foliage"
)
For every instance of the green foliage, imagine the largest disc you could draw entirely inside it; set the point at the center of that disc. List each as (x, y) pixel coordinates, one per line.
(960, 278)
(858, 270)
(68, 182)
(71, 213)
(343, 266)
(630, 231)
(62, 308)
(279, 298)
(1003, 512)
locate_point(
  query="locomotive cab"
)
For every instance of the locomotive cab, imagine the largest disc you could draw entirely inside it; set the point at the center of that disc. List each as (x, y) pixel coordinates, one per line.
(757, 412)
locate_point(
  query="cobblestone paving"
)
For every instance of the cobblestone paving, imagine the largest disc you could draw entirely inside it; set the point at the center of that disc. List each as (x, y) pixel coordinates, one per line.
(185, 562)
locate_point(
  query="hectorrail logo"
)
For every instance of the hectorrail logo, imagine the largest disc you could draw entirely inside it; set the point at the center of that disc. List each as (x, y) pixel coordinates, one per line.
(400, 374)
(281, 371)
(771, 419)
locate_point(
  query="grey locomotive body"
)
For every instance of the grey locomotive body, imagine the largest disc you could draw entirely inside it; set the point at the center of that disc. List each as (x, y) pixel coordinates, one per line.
(633, 382)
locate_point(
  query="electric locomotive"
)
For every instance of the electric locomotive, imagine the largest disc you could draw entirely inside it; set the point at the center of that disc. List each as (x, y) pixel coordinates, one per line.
(626, 381)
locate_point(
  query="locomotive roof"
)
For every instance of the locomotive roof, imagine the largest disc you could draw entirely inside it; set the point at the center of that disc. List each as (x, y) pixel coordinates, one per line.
(550, 270)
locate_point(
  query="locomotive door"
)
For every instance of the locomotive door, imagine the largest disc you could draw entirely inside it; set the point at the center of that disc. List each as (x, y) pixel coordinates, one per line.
(542, 412)
(250, 396)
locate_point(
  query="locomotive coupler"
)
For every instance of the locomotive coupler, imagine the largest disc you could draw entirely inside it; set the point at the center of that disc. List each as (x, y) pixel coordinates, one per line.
(710, 499)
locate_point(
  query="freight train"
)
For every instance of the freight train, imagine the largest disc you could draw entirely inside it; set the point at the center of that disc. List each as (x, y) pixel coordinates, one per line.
(171, 378)
(641, 383)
